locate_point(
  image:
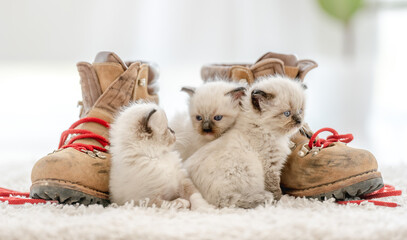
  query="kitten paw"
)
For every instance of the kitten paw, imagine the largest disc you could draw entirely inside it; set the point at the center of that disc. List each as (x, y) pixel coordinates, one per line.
(269, 198)
(180, 203)
(198, 203)
(277, 193)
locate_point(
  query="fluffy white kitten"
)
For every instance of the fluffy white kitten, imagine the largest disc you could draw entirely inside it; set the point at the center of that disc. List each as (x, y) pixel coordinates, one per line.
(143, 164)
(213, 108)
(280, 102)
(243, 165)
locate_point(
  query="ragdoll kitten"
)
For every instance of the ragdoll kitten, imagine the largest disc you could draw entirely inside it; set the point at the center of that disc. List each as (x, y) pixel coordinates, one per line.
(143, 163)
(213, 108)
(242, 167)
(282, 103)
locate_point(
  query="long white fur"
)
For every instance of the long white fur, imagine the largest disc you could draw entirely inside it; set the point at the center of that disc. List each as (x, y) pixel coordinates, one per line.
(144, 166)
(275, 127)
(188, 140)
(208, 100)
(230, 171)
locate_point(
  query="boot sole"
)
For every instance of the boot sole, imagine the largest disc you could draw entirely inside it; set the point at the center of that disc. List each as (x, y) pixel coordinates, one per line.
(343, 189)
(67, 193)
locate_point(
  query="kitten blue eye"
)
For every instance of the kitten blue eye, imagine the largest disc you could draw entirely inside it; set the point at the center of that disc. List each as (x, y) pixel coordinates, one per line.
(300, 111)
(199, 118)
(218, 117)
(287, 113)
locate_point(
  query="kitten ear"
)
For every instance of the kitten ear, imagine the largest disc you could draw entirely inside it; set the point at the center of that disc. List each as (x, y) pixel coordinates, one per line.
(189, 90)
(237, 93)
(146, 119)
(259, 96)
(303, 85)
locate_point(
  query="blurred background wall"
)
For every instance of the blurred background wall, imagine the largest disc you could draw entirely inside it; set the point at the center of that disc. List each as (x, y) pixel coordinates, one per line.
(359, 86)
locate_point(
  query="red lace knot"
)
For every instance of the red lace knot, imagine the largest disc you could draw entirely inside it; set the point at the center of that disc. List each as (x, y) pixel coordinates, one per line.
(77, 134)
(335, 137)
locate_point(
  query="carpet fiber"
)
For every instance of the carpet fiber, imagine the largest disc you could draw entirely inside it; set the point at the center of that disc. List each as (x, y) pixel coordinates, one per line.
(291, 218)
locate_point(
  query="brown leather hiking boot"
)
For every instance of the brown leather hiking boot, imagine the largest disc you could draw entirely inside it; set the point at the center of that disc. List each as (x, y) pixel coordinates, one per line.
(78, 171)
(336, 170)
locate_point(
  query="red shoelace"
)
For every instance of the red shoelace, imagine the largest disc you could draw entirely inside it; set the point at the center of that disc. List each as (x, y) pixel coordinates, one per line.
(81, 134)
(17, 198)
(386, 191)
(320, 142)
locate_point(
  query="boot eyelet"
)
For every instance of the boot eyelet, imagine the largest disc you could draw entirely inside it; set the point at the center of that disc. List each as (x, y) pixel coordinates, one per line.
(90, 153)
(99, 154)
(315, 150)
(142, 82)
(292, 145)
(303, 151)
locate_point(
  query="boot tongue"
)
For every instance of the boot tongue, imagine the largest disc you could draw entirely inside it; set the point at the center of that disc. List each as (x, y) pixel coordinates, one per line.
(104, 57)
(108, 67)
(293, 67)
(287, 67)
(288, 59)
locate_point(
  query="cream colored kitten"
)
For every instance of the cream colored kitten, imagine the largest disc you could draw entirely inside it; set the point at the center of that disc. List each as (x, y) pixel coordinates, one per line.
(213, 108)
(243, 165)
(281, 102)
(143, 164)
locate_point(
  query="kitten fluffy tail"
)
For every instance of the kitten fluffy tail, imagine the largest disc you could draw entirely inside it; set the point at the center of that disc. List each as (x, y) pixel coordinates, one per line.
(247, 200)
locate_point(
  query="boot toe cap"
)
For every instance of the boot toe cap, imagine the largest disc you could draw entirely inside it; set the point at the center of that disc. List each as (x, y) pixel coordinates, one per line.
(73, 167)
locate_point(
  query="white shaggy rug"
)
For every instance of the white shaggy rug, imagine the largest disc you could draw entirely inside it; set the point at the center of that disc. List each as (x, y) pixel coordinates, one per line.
(291, 218)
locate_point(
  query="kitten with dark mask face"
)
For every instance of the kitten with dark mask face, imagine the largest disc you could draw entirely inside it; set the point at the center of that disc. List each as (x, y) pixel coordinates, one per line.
(242, 167)
(281, 102)
(143, 164)
(213, 108)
